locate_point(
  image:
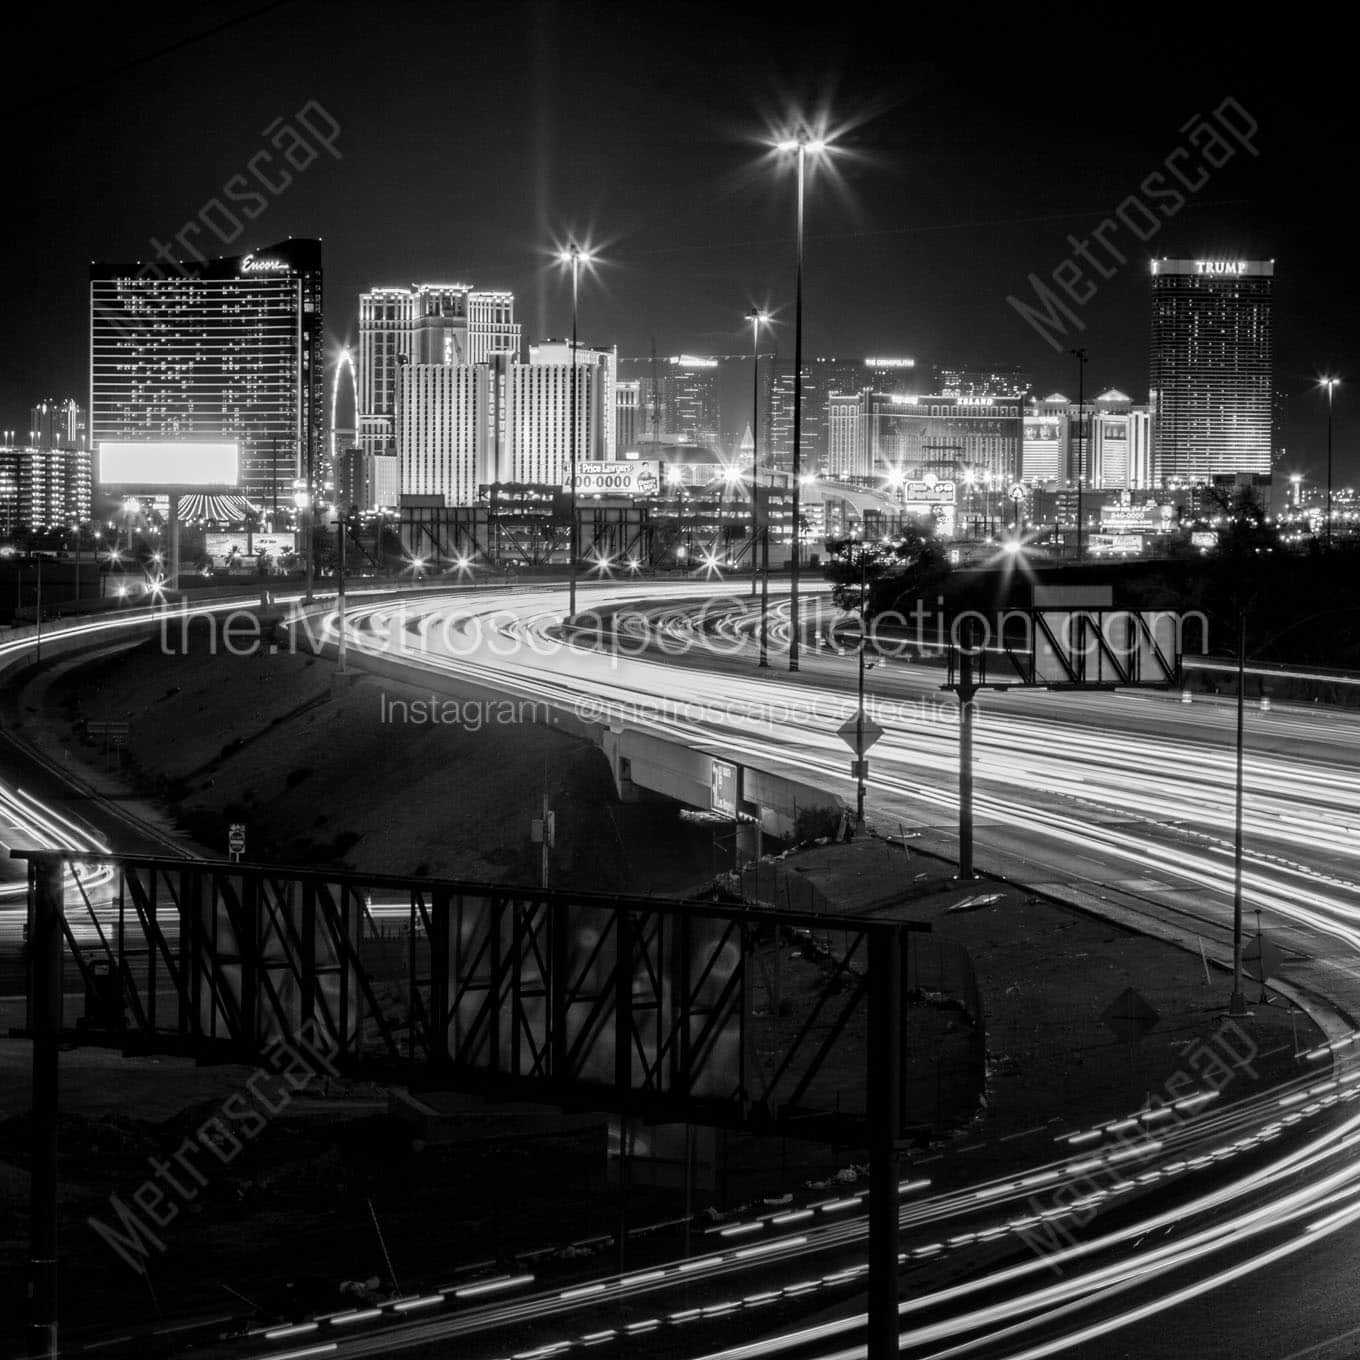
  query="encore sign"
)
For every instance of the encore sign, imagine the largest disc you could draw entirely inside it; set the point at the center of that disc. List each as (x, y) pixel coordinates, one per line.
(264, 265)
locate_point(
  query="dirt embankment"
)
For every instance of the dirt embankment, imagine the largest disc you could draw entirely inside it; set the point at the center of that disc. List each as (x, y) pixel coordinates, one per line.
(372, 775)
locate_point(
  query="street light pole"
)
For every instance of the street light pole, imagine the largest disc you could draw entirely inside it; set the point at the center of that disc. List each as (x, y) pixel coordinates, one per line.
(755, 318)
(800, 145)
(575, 257)
(1237, 1004)
(1080, 356)
(797, 419)
(1330, 385)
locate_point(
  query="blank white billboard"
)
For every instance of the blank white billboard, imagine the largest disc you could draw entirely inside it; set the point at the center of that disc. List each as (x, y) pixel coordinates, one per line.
(168, 464)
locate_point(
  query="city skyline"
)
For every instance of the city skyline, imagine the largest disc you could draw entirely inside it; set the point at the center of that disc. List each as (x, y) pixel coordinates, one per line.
(915, 245)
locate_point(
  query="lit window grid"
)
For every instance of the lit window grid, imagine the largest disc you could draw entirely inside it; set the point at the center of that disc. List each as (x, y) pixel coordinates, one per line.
(188, 357)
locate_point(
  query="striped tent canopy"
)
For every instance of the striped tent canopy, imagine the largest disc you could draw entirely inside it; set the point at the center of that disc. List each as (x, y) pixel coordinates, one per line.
(220, 509)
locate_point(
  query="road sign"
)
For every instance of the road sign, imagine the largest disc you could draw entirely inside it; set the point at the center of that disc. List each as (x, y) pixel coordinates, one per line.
(725, 788)
(859, 739)
(1129, 1016)
(1261, 959)
(859, 769)
(236, 839)
(1017, 492)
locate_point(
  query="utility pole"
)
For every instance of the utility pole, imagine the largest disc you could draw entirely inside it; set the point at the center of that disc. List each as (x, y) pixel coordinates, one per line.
(1237, 1004)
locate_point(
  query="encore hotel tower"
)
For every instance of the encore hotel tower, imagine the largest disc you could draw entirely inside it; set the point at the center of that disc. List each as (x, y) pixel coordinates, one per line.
(215, 349)
(1211, 373)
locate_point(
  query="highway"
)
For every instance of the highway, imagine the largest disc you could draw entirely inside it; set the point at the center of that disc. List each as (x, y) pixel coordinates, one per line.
(1119, 794)
(1119, 1230)
(1108, 793)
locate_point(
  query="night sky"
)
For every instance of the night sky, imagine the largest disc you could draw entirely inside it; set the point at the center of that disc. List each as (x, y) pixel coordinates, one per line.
(474, 135)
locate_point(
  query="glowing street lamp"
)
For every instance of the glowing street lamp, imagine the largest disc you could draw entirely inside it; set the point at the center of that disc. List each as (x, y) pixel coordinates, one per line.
(1330, 384)
(573, 257)
(801, 146)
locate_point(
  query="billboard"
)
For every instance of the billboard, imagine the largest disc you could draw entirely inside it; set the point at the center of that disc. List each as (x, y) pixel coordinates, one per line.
(168, 464)
(222, 546)
(933, 498)
(923, 495)
(636, 477)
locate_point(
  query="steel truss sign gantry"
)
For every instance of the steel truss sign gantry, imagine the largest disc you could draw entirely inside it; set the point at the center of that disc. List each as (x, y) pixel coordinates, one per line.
(1065, 648)
(1074, 648)
(648, 1007)
(629, 1004)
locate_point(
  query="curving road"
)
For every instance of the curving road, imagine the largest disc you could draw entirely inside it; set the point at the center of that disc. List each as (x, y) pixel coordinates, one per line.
(1123, 798)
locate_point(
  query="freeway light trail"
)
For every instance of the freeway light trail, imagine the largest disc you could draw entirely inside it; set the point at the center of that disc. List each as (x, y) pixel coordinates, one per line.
(1065, 786)
(1153, 797)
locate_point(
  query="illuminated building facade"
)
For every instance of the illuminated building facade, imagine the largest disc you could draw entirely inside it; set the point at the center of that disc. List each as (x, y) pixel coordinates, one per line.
(627, 414)
(913, 437)
(460, 427)
(1110, 439)
(894, 376)
(57, 424)
(677, 398)
(425, 323)
(980, 380)
(227, 349)
(44, 488)
(1212, 367)
(847, 449)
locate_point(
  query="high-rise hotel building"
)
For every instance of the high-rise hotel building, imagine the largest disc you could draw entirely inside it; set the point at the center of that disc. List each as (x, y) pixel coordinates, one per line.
(425, 323)
(215, 349)
(459, 427)
(1211, 380)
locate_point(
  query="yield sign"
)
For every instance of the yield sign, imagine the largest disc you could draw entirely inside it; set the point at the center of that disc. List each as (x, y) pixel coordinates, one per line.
(1129, 1016)
(859, 739)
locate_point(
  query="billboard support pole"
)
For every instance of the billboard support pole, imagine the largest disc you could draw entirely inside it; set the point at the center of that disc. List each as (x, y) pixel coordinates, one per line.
(172, 565)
